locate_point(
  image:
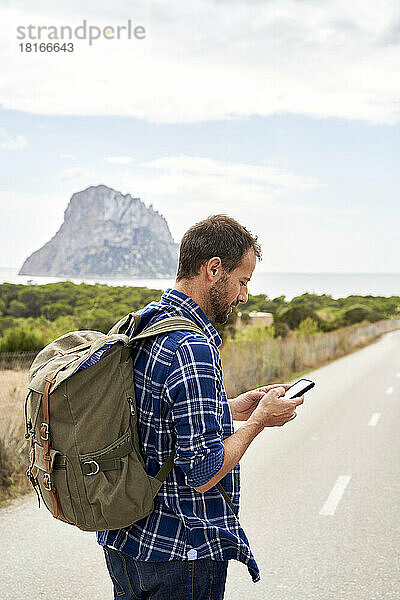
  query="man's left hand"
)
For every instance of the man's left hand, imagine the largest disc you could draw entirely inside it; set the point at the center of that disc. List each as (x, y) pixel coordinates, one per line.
(243, 406)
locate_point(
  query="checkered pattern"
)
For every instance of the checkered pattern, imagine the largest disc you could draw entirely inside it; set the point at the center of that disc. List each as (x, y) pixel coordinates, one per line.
(95, 357)
(182, 404)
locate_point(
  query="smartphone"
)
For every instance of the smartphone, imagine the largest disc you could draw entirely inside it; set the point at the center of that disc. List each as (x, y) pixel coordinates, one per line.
(299, 388)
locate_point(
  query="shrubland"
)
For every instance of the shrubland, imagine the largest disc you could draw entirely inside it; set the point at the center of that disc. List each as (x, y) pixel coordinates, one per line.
(307, 331)
(33, 315)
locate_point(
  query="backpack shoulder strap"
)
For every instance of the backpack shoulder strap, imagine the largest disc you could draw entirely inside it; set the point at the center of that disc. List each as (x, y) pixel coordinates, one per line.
(167, 325)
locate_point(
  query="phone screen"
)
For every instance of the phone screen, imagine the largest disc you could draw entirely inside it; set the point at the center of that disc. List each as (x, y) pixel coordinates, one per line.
(299, 388)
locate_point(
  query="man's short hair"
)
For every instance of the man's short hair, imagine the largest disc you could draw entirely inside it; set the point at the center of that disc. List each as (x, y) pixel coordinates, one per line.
(218, 235)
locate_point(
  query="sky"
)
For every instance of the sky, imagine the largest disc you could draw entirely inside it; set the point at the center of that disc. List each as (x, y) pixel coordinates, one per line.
(283, 114)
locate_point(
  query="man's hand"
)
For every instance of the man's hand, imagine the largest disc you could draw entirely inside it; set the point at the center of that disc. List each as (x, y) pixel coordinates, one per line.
(273, 410)
(244, 405)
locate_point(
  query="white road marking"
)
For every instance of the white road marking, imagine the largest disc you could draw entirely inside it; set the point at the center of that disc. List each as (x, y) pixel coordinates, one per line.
(390, 390)
(335, 496)
(374, 419)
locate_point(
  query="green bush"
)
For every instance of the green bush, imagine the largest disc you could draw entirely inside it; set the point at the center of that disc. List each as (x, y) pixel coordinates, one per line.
(17, 309)
(63, 325)
(33, 298)
(97, 319)
(358, 313)
(326, 326)
(307, 327)
(22, 338)
(294, 315)
(245, 317)
(53, 311)
(7, 323)
(254, 333)
(281, 329)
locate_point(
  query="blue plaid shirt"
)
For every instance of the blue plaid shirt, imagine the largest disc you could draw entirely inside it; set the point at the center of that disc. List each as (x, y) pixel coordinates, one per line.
(181, 400)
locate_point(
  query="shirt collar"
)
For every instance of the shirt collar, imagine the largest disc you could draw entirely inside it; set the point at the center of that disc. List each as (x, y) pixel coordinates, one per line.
(192, 309)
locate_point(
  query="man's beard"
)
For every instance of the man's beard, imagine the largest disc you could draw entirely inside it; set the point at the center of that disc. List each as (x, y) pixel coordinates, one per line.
(219, 308)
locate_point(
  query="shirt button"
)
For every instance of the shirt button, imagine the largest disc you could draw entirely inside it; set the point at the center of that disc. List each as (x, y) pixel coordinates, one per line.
(192, 554)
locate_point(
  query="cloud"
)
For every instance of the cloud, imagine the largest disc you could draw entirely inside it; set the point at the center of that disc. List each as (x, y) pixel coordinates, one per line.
(119, 160)
(228, 180)
(392, 34)
(295, 226)
(210, 60)
(75, 173)
(186, 189)
(19, 142)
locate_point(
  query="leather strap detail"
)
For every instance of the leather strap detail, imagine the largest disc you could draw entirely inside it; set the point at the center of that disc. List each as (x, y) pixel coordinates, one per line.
(57, 459)
(47, 445)
(58, 513)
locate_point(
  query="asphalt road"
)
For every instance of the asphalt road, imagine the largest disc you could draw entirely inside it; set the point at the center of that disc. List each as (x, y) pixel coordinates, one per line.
(320, 503)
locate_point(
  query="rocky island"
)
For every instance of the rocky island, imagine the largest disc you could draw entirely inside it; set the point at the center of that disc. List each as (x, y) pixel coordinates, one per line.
(107, 234)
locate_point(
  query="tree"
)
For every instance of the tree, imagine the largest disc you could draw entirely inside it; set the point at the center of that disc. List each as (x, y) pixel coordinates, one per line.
(294, 315)
(53, 311)
(33, 298)
(358, 313)
(307, 327)
(254, 333)
(21, 339)
(17, 309)
(281, 329)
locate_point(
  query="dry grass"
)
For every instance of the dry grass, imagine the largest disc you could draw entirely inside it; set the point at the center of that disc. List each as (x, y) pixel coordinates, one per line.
(13, 386)
(13, 446)
(248, 364)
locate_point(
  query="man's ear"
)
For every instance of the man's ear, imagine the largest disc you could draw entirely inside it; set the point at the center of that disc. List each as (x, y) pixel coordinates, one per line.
(214, 268)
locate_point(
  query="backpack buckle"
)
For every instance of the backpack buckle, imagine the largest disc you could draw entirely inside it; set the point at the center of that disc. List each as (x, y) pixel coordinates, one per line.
(44, 431)
(92, 462)
(47, 483)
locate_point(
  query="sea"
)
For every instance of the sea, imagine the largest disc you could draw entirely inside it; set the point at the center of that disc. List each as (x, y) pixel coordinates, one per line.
(337, 285)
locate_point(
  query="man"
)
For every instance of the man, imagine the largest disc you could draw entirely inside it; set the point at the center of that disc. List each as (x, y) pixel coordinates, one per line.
(181, 550)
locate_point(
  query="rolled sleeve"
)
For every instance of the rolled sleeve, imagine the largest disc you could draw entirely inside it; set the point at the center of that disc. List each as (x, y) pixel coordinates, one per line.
(193, 388)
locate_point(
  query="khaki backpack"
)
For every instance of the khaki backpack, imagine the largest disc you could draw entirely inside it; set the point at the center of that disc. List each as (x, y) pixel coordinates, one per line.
(80, 415)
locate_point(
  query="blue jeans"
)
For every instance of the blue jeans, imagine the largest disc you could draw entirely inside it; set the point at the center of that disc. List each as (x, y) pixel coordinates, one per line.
(202, 579)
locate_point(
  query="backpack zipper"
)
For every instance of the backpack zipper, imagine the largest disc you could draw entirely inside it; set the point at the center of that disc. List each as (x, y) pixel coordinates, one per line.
(99, 453)
(131, 407)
